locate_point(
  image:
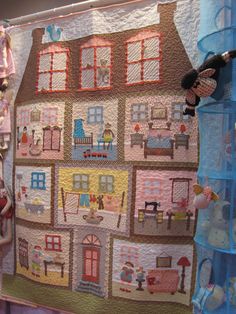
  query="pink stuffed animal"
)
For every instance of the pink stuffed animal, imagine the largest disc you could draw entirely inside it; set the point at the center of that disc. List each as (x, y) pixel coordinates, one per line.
(203, 197)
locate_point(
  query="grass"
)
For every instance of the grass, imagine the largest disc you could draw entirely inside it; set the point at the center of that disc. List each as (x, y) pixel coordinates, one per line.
(82, 303)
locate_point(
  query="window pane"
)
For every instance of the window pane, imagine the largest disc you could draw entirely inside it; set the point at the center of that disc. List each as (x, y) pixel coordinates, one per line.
(56, 240)
(87, 78)
(180, 190)
(84, 186)
(59, 81)
(43, 83)
(135, 107)
(103, 187)
(151, 70)
(143, 107)
(34, 184)
(91, 119)
(134, 73)
(99, 118)
(87, 57)
(177, 115)
(142, 116)
(40, 176)
(103, 56)
(49, 239)
(92, 111)
(76, 177)
(185, 117)
(109, 188)
(134, 51)
(103, 179)
(76, 185)
(84, 178)
(59, 61)
(110, 179)
(50, 246)
(103, 77)
(135, 117)
(40, 184)
(177, 107)
(56, 246)
(99, 110)
(44, 62)
(151, 49)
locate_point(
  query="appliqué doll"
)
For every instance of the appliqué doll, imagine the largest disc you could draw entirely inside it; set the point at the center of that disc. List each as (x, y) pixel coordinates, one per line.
(202, 82)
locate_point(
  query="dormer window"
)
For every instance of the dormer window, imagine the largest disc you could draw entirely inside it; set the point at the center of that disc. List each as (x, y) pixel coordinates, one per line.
(95, 65)
(52, 69)
(143, 58)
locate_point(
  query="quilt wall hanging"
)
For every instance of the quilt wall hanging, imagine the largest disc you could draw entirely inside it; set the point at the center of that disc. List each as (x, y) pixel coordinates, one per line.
(105, 160)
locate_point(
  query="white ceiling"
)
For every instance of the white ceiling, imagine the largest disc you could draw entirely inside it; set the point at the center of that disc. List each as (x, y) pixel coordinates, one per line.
(16, 8)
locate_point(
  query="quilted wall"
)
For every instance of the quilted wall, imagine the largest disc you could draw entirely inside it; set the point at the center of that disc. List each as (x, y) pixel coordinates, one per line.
(104, 160)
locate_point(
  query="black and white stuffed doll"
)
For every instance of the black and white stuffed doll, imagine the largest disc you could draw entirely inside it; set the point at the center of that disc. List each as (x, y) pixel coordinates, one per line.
(202, 82)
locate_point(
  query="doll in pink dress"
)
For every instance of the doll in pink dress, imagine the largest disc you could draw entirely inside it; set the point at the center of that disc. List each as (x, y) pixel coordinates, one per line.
(5, 120)
(7, 66)
(6, 213)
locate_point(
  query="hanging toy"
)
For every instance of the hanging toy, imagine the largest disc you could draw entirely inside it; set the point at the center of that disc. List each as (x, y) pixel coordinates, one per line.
(203, 197)
(202, 82)
(7, 66)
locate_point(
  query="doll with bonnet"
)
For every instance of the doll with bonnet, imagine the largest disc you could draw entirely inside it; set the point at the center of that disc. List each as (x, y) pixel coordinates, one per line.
(7, 66)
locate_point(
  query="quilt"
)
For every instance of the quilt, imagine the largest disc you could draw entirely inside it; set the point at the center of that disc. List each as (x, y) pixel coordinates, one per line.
(104, 160)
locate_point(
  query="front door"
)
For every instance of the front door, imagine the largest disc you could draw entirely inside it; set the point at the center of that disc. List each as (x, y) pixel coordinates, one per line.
(91, 261)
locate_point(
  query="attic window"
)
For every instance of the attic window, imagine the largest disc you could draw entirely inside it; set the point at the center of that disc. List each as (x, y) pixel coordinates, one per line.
(52, 69)
(95, 65)
(143, 58)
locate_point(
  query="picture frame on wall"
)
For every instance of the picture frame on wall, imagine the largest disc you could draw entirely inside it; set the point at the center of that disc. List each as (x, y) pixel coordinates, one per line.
(163, 260)
(158, 113)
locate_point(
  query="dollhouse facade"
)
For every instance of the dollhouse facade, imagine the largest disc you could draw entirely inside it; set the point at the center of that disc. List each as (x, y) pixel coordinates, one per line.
(97, 120)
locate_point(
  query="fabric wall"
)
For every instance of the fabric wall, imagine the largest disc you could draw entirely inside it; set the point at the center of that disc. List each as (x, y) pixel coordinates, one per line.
(104, 160)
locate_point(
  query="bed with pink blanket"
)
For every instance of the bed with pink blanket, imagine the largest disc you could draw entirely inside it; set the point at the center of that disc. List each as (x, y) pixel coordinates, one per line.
(159, 142)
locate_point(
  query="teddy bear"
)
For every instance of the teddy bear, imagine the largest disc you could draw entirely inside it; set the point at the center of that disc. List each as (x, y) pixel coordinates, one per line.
(202, 82)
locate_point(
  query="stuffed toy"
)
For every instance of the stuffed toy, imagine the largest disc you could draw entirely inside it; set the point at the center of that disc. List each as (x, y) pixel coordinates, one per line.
(203, 196)
(202, 82)
(54, 32)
